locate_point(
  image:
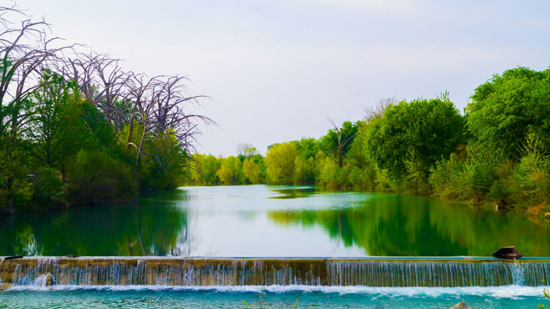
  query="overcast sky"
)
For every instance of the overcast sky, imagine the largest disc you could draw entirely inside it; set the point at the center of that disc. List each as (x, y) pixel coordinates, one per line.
(275, 68)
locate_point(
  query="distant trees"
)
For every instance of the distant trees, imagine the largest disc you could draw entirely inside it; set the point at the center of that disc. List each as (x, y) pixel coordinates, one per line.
(497, 152)
(231, 171)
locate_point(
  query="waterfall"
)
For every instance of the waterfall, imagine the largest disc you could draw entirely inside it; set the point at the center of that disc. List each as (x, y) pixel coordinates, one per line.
(44, 271)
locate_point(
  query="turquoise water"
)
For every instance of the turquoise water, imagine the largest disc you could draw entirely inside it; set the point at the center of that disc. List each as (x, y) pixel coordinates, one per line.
(274, 297)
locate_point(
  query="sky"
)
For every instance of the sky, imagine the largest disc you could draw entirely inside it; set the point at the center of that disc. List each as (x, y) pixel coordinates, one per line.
(275, 69)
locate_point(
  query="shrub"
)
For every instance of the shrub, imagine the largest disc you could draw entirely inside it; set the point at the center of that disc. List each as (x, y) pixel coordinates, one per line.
(96, 177)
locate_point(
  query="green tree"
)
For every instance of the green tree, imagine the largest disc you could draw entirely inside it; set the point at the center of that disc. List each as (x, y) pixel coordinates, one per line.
(97, 177)
(506, 108)
(15, 189)
(281, 163)
(251, 171)
(424, 129)
(231, 171)
(305, 162)
(55, 125)
(338, 140)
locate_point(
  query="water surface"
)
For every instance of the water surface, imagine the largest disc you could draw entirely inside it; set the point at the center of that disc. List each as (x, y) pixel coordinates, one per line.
(273, 297)
(273, 221)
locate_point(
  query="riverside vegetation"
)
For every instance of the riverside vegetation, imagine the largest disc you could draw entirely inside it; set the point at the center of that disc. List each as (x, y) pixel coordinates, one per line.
(496, 152)
(77, 129)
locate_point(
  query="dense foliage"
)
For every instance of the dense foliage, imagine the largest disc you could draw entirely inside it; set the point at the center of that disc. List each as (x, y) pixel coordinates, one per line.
(76, 129)
(498, 152)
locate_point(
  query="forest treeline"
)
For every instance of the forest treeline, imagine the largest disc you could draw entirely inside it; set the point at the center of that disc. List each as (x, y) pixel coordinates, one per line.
(496, 151)
(75, 128)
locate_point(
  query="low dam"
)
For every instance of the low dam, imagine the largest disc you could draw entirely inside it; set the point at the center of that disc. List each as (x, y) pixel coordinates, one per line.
(174, 271)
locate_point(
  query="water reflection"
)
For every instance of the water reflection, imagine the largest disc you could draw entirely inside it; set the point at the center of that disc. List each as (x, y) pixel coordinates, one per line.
(293, 192)
(399, 225)
(143, 227)
(277, 221)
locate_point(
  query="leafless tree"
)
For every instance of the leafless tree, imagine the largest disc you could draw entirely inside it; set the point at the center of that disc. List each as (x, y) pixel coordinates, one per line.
(376, 111)
(160, 107)
(342, 139)
(246, 150)
(24, 52)
(149, 108)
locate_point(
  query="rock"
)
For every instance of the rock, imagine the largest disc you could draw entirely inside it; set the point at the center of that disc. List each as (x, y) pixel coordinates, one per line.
(461, 305)
(49, 280)
(4, 287)
(508, 253)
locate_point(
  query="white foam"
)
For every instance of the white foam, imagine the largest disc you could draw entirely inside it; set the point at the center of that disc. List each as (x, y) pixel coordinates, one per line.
(511, 291)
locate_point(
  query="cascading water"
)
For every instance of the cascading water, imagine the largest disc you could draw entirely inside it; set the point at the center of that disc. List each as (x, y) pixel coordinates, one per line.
(266, 272)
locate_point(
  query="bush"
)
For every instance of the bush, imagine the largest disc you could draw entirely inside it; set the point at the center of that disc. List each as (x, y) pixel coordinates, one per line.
(15, 189)
(48, 187)
(96, 177)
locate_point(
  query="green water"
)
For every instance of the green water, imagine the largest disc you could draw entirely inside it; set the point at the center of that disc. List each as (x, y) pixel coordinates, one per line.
(275, 221)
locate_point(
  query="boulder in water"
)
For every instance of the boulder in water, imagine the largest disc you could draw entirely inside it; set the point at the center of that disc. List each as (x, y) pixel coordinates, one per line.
(48, 280)
(461, 305)
(4, 286)
(508, 253)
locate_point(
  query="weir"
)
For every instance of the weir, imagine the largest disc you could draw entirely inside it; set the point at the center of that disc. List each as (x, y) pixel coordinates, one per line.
(172, 271)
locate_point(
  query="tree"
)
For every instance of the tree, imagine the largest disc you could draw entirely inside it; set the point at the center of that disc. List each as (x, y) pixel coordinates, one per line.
(252, 171)
(231, 172)
(246, 150)
(423, 131)
(506, 108)
(337, 141)
(24, 51)
(55, 122)
(280, 161)
(376, 111)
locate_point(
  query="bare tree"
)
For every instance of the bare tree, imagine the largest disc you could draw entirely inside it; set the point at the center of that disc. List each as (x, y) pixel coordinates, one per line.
(341, 138)
(246, 150)
(24, 52)
(158, 107)
(376, 111)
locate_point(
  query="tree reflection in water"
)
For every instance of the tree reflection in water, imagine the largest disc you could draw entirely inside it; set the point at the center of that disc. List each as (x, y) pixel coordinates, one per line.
(134, 229)
(401, 225)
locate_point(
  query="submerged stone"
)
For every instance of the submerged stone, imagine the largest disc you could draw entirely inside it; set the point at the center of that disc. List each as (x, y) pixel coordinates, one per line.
(508, 253)
(461, 305)
(4, 286)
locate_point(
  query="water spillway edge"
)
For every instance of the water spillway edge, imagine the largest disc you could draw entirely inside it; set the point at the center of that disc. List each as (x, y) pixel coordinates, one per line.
(208, 271)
